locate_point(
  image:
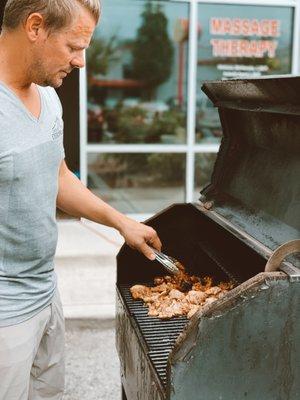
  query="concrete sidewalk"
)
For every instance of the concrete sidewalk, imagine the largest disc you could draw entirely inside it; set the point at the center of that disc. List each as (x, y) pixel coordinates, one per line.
(86, 268)
(92, 364)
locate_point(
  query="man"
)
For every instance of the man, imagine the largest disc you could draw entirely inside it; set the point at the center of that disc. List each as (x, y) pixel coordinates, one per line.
(41, 42)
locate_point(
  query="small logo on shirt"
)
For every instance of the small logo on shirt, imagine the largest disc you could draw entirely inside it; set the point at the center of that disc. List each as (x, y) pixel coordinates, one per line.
(57, 129)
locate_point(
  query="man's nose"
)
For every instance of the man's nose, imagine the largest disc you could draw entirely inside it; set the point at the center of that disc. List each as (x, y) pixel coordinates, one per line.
(78, 61)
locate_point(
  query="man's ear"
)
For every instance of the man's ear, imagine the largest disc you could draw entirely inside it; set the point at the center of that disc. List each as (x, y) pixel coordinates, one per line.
(34, 26)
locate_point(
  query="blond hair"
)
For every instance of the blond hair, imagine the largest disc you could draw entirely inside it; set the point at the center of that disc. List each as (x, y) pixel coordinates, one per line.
(57, 13)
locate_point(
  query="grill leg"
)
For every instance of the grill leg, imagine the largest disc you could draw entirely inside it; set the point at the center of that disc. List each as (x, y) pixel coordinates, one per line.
(124, 397)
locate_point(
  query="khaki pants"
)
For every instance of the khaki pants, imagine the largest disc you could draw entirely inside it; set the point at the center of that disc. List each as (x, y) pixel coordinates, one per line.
(32, 356)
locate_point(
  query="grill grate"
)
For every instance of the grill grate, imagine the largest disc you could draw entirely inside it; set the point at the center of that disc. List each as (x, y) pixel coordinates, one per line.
(159, 335)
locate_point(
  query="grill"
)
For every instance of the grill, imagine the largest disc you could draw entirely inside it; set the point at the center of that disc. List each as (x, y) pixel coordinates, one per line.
(159, 338)
(246, 344)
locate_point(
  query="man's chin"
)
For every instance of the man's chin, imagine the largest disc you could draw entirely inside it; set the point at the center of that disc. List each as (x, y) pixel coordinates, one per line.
(55, 83)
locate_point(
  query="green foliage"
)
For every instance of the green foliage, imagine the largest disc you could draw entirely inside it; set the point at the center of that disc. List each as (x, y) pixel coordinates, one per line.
(167, 168)
(274, 63)
(101, 54)
(128, 124)
(136, 164)
(142, 170)
(152, 49)
(167, 123)
(203, 168)
(133, 125)
(155, 169)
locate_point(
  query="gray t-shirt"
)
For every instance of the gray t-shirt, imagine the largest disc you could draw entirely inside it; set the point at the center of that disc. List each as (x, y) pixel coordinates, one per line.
(31, 151)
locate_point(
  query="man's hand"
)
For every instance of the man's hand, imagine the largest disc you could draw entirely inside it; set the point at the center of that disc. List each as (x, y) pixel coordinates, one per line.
(139, 236)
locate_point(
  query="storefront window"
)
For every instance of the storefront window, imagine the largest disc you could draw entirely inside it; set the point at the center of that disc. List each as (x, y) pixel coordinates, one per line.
(237, 41)
(138, 145)
(138, 183)
(137, 73)
(204, 164)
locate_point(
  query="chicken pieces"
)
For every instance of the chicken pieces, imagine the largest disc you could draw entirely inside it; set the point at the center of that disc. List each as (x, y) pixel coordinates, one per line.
(140, 291)
(168, 298)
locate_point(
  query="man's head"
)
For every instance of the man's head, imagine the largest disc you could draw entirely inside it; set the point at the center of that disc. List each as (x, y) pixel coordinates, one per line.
(53, 33)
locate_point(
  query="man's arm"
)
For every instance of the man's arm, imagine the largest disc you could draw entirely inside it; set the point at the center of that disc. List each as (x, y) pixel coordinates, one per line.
(75, 199)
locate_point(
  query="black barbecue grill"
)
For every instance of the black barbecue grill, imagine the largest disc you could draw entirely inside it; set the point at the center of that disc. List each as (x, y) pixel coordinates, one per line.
(246, 344)
(160, 338)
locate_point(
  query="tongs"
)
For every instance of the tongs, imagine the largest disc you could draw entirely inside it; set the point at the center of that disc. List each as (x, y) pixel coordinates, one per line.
(169, 263)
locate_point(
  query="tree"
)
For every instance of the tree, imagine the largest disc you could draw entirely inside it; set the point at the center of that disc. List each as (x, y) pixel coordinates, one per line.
(152, 49)
(101, 54)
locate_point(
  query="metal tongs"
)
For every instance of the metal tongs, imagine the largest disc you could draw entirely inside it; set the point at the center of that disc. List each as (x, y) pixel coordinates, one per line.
(169, 263)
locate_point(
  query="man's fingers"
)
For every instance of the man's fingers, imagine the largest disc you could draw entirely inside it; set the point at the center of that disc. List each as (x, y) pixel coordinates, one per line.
(153, 240)
(156, 243)
(141, 238)
(146, 250)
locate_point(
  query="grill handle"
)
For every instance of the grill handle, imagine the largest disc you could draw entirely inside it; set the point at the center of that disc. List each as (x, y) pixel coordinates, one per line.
(275, 260)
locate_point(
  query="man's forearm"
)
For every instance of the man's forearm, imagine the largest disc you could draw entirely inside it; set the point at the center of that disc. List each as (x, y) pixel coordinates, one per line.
(75, 199)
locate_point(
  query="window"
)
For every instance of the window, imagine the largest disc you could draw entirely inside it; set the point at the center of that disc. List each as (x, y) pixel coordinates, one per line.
(137, 73)
(238, 41)
(143, 148)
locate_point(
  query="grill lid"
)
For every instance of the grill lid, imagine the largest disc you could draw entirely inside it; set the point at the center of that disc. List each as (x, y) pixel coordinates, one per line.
(256, 179)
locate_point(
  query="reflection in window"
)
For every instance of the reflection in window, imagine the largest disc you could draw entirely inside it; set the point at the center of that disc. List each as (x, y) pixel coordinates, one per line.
(137, 73)
(238, 41)
(204, 164)
(208, 126)
(138, 183)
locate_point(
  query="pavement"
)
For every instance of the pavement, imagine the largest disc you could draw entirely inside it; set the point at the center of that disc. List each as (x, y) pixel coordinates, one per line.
(92, 365)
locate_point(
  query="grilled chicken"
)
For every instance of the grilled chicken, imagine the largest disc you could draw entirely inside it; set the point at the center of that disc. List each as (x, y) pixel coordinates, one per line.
(169, 297)
(140, 291)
